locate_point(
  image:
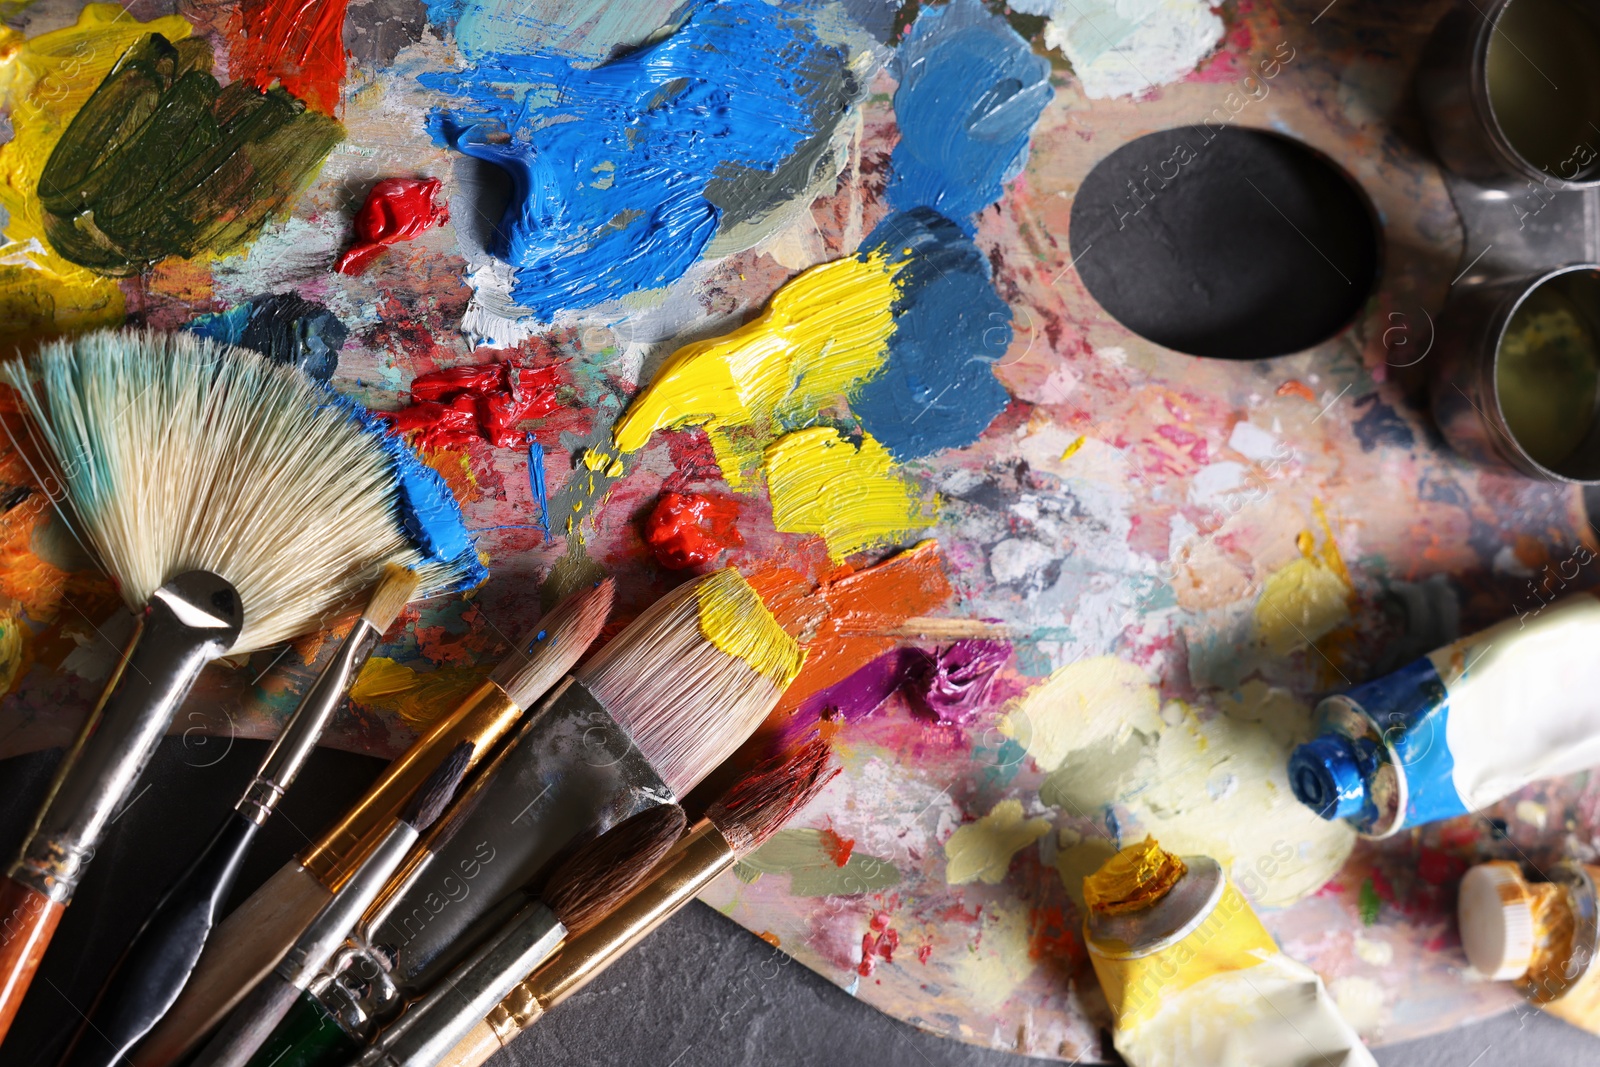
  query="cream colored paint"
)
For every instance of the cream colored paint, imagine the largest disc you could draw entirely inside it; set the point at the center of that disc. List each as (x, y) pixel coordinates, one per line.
(1082, 703)
(995, 963)
(982, 851)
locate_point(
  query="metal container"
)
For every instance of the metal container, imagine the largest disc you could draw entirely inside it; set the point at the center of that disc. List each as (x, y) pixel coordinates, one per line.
(1465, 381)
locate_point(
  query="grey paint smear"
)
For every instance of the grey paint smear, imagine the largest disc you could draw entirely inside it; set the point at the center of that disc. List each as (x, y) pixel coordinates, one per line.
(376, 30)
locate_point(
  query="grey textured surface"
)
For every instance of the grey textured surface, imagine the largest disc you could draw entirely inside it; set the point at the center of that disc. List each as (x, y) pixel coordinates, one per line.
(701, 992)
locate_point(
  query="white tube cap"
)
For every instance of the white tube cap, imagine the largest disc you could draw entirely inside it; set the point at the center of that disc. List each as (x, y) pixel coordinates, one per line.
(1496, 920)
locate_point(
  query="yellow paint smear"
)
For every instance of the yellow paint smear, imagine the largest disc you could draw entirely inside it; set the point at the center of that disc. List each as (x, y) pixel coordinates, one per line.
(1103, 698)
(14, 635)
(853, 497)
(418, 697)
(1133, 879)
(1306, 599)
(734, 618)
(45, 81)
(982, 851)
(822, 334)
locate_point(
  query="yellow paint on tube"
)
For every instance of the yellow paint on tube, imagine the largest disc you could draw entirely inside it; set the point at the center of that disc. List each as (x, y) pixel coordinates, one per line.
(45, 80)
(822, 334)
(1133, 879)
(735, 619)
(851, 495)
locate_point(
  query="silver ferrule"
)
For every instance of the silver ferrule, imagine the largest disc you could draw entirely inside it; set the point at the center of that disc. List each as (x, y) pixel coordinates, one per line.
(431, 1027)
(1169, 920)
(299, 737)
(188, 622)
(327, 931)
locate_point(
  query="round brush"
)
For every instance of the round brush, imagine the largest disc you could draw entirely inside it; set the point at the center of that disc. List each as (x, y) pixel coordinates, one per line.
(235, 503)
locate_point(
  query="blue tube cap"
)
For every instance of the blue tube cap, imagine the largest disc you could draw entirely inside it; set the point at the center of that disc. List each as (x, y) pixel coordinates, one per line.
(1327, 778)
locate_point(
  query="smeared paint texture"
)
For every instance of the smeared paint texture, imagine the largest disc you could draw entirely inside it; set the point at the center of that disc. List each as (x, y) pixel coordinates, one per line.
(970, 91)
(1305, 600)
(734, 618)
(163, 161)
(396, 209)
(611, 164)
(859, 695)
(46, 80)
(285, 327)
(982, 851)
(952, 684)
(808, 857)
(847, 492)
(451, 408)
(689, 529)
(429, 512)
(1126, 49)
(536, 483)
(937, 389)
(298, 44)
(582, 29)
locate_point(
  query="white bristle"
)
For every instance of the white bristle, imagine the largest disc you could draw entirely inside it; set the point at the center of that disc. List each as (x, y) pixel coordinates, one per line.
(687, 704)
(178, 454)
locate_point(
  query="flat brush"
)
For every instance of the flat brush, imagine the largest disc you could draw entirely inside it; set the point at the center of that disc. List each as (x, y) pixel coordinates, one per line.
(234, 504)
(640, 724)
(581, 892)
(155, 966)
(272, 997)
(250, 941)
(750, 813)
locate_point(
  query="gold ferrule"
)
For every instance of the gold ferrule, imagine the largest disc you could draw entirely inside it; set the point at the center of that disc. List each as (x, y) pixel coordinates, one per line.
(483, 718)
(692, 864)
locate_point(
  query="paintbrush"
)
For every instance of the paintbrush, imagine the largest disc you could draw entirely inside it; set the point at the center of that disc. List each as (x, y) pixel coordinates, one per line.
(266, 1004)
(251, 940)
(582, 891)
(751, 812)
(641, 723)
(155, 966)
(234, 504)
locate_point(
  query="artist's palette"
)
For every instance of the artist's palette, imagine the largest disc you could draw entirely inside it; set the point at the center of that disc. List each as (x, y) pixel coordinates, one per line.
(1183, 553)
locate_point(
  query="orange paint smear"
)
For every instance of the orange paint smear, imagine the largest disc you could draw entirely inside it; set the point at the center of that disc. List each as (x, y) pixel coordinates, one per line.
(296, 43)
(25, 579)
(847, 621)
(1292, 387)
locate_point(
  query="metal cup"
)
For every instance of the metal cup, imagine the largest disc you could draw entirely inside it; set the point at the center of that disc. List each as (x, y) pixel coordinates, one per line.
(1504, 88)
(1466, 381)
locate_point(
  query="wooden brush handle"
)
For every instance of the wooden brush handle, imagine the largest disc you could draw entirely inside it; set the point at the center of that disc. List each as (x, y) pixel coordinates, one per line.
(474, 1049)
(28, 919)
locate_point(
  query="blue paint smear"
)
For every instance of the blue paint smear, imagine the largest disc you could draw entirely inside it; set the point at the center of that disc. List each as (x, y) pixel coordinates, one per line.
(970, 91)
(937, 389)
(284, 327)
(428, 509)
(610, 165)
(541, 495)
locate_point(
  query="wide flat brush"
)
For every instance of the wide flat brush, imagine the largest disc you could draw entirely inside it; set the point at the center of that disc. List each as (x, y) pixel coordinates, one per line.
(582, 891)
(158, 962)
(639, 724)
(251, 940)
(265, 1006)
(750, 813)
(235, 504)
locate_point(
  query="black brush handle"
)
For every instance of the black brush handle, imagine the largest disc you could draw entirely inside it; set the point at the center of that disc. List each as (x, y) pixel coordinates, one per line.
(157, 964)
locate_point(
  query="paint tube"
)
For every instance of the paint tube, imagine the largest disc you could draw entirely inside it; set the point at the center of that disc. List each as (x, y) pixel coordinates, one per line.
(1191, 975)
(1460, 728)
(1543, 935)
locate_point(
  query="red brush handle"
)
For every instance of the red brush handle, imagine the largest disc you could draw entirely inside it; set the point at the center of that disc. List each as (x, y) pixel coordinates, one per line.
(28, 919)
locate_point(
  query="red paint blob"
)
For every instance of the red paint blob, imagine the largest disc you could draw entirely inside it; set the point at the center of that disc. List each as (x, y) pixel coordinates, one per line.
(688, 529)
(452, 408)
(839, 848)
(298, 45)
(396, 209)
(1297, 388)
(879, 942)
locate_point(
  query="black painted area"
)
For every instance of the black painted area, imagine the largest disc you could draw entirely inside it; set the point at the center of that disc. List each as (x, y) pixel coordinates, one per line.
(1244, 246)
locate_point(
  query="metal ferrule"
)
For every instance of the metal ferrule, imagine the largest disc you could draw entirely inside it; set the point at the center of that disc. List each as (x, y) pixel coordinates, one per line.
(188, 622)
(356, 992)
(483, 718)
(431, 1028)
(573, 774)
(328, 930)
(693, 863)
(299, 737)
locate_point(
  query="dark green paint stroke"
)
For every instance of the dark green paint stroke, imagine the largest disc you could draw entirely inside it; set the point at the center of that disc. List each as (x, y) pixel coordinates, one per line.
(163, 161)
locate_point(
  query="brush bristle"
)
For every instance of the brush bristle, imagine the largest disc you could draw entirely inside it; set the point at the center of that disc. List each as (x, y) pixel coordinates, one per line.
(393, 593)
(429, 801)
(178, 454)
(761, 802)
(674, 679)
(550, 649)
(590, 885)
